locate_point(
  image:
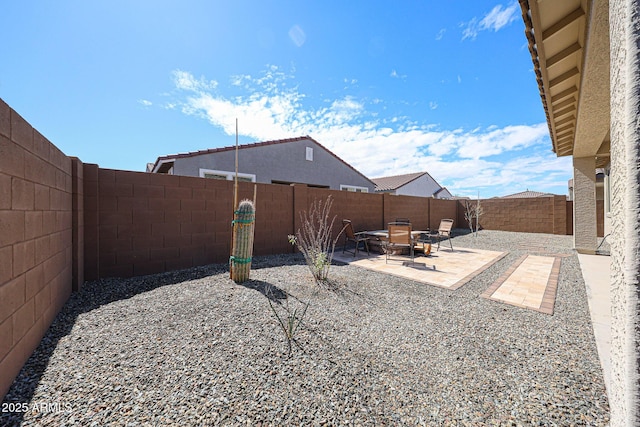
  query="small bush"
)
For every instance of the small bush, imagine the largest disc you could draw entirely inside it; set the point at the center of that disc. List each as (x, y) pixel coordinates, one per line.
(473, 212)
(314, 239)
(290, 319)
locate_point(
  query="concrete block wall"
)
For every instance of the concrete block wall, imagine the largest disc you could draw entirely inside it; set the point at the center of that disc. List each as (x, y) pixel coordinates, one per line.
(36, 239)
(559, 215)
(77, 226)
(138, 223)
(416, 209)
(364, 210)
(529, 215)
(274, 216)
(153, 223)
(441, 209)
(569, 216)
(369, 211)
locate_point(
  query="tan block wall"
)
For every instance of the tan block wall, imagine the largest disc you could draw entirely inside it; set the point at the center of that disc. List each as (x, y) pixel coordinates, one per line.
(530, 215)
(138, 223)
(444, 209)
(416, 209)
(364, 210)
(560, 215)
(36, 255)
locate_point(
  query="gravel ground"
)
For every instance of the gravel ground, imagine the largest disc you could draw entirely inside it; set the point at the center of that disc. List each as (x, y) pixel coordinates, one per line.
(194, 348)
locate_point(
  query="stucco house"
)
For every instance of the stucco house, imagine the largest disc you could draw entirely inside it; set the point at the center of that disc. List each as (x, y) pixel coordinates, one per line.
(300, 160)
(587, 65)
(419, 184)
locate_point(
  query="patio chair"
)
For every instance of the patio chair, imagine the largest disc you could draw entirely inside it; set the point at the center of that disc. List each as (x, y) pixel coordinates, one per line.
(356, 238)
(444, 232)
(399, 237)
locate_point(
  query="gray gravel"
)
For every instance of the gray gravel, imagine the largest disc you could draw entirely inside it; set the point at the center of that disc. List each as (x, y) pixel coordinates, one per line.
(194, 348)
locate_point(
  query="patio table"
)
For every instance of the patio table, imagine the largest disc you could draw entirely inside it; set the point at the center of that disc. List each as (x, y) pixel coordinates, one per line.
(385, 233)
(416, 237)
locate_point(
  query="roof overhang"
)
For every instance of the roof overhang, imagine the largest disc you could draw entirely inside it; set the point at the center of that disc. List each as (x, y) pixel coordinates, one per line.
(569, 45)
(163, 166)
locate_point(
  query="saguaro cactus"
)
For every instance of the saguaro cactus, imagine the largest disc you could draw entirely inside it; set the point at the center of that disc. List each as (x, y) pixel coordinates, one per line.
(243, 228)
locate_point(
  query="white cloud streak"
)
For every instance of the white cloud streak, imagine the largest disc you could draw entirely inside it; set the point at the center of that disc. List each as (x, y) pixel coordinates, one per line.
(497, 159)
(495, 20)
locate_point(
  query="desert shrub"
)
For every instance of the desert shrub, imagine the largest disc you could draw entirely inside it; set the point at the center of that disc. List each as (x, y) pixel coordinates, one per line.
(472, 213)
(314, 239)
(289, 318)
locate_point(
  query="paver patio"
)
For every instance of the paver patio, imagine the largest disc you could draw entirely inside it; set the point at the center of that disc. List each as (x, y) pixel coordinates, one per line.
(452, 268)
(531, 282)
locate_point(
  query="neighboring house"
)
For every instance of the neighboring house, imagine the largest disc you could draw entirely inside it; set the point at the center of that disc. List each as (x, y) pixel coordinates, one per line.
(419, 184)
(587, 64)
(527, 194)
(299, 160)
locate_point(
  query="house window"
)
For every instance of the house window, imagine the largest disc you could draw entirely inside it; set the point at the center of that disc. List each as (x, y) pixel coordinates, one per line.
(309, 156)
(354, 188)
(226, 175)
(214, 176)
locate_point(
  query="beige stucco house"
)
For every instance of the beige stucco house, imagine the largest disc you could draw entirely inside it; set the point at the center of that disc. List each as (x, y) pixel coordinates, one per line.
(586, 57)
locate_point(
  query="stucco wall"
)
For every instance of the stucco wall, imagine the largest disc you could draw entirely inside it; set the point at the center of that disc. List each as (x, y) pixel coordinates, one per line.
(585, 219)
(424, 186)
(625, 212)
(285, 161)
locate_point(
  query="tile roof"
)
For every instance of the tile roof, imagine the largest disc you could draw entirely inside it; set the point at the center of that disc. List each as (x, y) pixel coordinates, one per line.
(527, 194)
(390, 183)
(168, 158)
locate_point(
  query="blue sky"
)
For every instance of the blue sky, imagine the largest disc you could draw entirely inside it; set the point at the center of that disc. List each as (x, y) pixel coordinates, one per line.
(390, 87)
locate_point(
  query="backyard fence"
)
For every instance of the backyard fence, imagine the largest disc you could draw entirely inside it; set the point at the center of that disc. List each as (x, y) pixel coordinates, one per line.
(63, 222)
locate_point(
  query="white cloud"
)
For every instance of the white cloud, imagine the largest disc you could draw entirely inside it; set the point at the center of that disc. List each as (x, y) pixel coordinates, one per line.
(145, 102)
(499, 17)
(440, 34)
(487, 143)
(433, 105)
(495, 20)
(496, 159)
(186, 81)
(395, 75)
